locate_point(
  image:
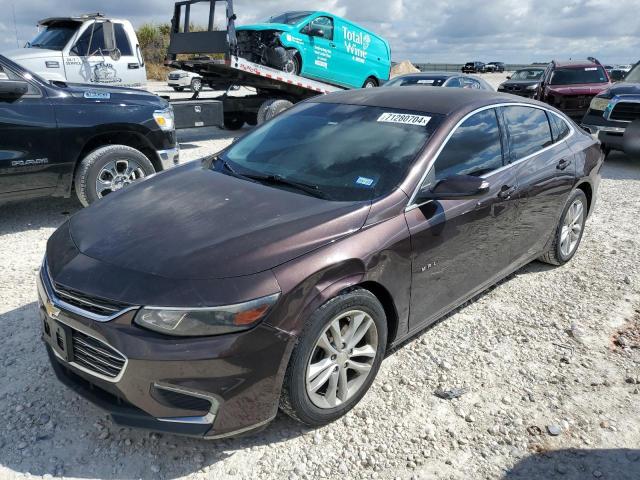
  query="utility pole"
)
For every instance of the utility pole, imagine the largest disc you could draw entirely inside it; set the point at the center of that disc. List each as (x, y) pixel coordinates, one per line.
(15, 25)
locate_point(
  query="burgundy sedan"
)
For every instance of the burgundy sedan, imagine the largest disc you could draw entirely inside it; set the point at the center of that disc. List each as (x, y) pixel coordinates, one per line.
(277, 273)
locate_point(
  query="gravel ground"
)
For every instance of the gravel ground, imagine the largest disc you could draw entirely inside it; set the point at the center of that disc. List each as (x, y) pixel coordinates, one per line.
(548, 360)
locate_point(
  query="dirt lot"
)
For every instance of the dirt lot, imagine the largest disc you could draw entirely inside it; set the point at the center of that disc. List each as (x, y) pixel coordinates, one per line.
(550, 359)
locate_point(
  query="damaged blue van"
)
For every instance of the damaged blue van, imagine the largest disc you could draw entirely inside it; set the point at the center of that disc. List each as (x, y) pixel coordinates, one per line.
(318, 45)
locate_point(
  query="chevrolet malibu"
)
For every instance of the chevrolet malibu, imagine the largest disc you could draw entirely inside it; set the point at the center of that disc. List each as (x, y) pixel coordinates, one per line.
(277, 273)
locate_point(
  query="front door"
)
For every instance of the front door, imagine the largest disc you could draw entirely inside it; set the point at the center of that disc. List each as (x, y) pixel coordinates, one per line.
(321, 60)
(460, 246)
(29, 148)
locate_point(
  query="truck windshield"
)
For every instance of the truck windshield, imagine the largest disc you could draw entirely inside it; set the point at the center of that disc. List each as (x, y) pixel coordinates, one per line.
(344, 152)
(575, 76)
(289, 18)
(54, 36)
(634, 75)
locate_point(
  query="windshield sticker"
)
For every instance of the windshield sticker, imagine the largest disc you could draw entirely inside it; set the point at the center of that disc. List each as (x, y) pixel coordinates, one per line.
(590, 69)
(365, 182)
(429, 82)
(94, 95)
(405, 118)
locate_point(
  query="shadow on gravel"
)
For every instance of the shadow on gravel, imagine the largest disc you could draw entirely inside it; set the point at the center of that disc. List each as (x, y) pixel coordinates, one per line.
(578, 464)
(47, 429)
(619, 166)
(21, 216)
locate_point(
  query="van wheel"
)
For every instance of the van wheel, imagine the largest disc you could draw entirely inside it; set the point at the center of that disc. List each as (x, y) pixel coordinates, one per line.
(271, 108)
(293, 64)
(233, 122)
(370, 83)
(109, 169)
(196, 85)
(336, 358)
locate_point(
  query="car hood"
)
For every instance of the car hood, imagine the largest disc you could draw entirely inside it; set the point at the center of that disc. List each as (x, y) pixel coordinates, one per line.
(623, 88)
(258, 27)
(522, 83)
(586, 89)
(193, 223)
(100, 93)
(19, 55)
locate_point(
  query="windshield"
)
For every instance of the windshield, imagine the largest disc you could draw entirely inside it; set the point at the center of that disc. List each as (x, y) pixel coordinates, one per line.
(634, 75)
(527, 75)
(290, 18)
(425, 81)
(575, 76)
(55, 36)
(346, 152)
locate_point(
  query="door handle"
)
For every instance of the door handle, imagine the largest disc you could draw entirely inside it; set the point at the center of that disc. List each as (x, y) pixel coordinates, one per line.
(133, 66)
(332, 45)
(562, 164)
(506, 191)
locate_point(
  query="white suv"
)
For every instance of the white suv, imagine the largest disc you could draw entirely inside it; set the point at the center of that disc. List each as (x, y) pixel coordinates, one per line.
(179, 80)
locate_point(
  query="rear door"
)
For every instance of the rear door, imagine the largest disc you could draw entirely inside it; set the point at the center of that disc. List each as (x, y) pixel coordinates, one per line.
(461, 246)
(29, 147)
(545, 168)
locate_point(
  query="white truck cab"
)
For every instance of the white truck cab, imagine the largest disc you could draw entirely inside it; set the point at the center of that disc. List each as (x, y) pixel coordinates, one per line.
(89, 49)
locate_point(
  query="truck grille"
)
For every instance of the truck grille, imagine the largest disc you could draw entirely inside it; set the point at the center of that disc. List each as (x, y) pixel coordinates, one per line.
(626, 111)
(578, 101)
(85, 302)
(174, 76)
(96, 356)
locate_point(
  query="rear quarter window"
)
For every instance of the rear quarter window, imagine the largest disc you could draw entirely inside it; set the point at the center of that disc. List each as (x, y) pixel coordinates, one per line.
(528, 131)
(559, 128)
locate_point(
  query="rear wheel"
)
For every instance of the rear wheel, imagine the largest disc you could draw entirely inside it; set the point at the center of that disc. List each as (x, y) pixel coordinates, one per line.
(569, 231)
(336, 359)
(370, 83)
(196, 85)
(109, 169)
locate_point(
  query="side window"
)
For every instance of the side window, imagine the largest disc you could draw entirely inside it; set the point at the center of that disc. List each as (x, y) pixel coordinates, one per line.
(474, 149)
(559, 128)
(528, 130)
(3, 76)
(325, 24)
(6, 74)
(122, 40)
(90, 42)
(453, 83)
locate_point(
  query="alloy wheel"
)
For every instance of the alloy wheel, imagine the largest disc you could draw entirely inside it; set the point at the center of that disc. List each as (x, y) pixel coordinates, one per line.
(117, 174)
(341, 359)
(572, 228)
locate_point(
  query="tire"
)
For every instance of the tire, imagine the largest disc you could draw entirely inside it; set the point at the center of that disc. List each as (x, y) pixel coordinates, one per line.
(370, 83)
(271, 108)
(251, 119)
(233, 122)
(320, 408)
(558, 253)
(196, 85)
(178, 89)
(294, 64)
(97, 163)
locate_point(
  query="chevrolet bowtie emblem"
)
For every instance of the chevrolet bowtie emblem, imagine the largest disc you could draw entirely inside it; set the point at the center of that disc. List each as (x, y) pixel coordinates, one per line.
(52, 311)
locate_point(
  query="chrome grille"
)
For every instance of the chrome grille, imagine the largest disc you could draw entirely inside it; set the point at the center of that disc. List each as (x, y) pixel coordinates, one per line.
(96, 356)
(92, 304)
(625, 111)
(174, 76)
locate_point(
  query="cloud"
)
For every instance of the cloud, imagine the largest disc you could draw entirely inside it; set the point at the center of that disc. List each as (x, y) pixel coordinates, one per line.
(515, 31)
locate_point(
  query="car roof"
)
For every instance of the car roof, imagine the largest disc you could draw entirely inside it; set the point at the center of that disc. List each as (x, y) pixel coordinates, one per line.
(429, 74)
(444, 101)
(575, 63)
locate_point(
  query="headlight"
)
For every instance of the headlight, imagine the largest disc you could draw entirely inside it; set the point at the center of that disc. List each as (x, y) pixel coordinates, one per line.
(184, 75)
(185, 322)
(599, 103)
(164, 119)
(533, 87)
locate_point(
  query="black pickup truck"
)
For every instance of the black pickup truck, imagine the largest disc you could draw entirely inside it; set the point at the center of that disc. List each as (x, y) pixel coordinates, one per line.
(57, 137)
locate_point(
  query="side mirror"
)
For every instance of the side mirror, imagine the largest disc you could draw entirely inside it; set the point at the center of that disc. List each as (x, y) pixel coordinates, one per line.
(109, 37)
(12, 89)
(313, 31)
(454, 188)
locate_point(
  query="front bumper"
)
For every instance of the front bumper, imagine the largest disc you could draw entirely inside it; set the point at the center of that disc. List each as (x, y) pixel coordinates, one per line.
(620, 136)
(169, 158)
(210, 387)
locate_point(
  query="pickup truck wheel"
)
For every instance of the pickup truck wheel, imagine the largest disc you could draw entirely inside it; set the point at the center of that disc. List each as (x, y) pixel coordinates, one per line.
(233, 122)
(196, 85)
(109, 169)
(370, 83)
(271, 108)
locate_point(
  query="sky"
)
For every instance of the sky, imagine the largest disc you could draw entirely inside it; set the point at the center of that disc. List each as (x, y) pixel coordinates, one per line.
(422, 31)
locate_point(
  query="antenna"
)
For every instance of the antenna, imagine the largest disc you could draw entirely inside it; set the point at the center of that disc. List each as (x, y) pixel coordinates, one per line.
(15, 25)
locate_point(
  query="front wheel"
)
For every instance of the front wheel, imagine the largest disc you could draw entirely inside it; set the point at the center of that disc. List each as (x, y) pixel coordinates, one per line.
(293, 65)
(569, 232)
(108, 169)
(336, 359)
(370, 83)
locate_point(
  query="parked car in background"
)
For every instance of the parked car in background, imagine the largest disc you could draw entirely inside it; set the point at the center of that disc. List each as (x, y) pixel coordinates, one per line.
(318, 45)
(614, 115)
(278, 272)
(439, 79)
(618, 73)
(494, 67)
(179, 80)
(57, 137)
(523, 82)
(89, 48)
(473, 67)
(570, 85)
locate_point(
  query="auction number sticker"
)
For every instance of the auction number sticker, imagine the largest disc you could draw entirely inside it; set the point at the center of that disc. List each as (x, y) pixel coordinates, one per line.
(405, 118)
